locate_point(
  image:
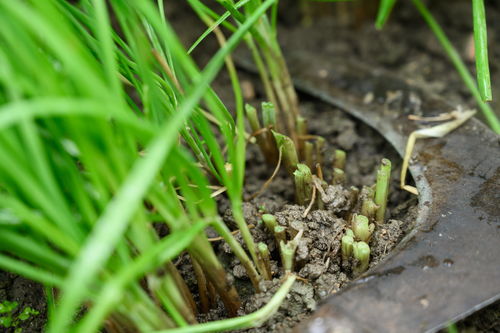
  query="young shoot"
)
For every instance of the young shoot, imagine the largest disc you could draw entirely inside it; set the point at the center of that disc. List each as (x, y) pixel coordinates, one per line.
(266, 261)
(339, 159)
(369, 208)
(361, 252)
(261, 135)
(270, 222)
(290, 156)
(338, 177)
(268, 114)
(303, 184)
(382, 189)
(288, 252)
(280, 234)
(362, 228)
(308, 154)
(347, 245)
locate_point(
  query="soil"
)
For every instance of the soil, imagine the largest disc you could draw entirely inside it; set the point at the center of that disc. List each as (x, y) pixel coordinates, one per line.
(405, 47)
(25, 293)
(318, 261)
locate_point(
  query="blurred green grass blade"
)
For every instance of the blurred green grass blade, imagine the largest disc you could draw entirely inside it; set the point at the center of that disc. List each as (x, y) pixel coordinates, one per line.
(39, 224)
(34, 273)
(116, 217)
(15, 112)
(29, 249)
(104, 35)
(452, 328)
(384, 11)
(57, 39)
(200, 9)
(454, 56)
(112, 292)
(481, 49)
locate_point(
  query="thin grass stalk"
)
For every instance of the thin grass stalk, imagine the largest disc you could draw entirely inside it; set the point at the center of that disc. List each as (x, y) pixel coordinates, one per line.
(481, 50)
(202, 286)
(382, 189)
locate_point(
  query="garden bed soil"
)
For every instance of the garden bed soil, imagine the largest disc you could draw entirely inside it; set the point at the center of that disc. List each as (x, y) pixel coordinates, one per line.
(318, 261)
(27, 294)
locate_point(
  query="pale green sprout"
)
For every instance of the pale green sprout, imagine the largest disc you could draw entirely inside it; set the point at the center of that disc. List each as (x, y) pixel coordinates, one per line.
(290, 156)
(347, 244)
(361, 252)
(339, 159)
(362, 228)
(270, 222)
(287, 251)
(265, 256)
(382, 189)
(303, 184)
(338, 176)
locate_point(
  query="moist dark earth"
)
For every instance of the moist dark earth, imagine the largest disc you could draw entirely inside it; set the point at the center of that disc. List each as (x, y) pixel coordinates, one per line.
(318, 261)
(405, 47)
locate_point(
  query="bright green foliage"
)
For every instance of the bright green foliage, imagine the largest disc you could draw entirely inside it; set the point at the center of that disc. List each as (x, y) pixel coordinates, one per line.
(384, 11)
(9, 317)
(27, 313)
(7, 306)
(481, 49)
(101, 134)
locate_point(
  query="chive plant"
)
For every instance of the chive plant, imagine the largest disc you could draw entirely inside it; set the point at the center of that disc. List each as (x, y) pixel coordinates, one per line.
(93, 116)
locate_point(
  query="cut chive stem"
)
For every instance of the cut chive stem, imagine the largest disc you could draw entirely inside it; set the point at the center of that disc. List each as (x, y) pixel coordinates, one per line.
(353, 196)
(270, 222)
(262, 137)
(308, 154)
(339, 159)
(303, 184)
(290, 157)
(287, 251)
(301, 124)
(362, 228)
(347, 245)
(382, 189)
(266, 261)
(338, 177)
(361, 252)
(369, 209)
(280, 234)
(268, 114)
